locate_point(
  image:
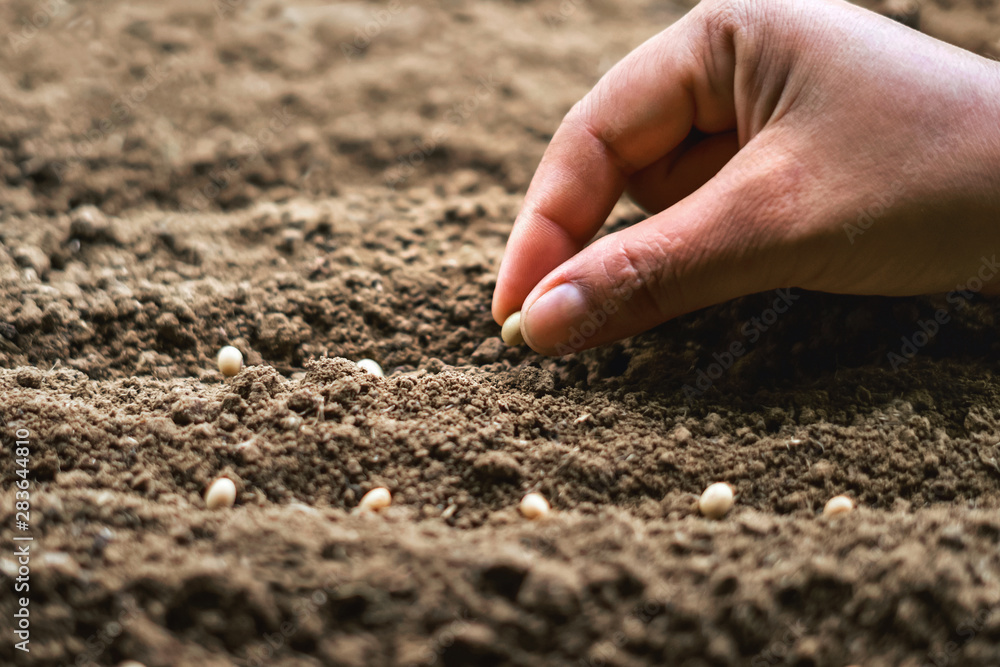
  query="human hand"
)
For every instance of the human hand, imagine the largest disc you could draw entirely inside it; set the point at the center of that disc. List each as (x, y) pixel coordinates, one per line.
(777, 143)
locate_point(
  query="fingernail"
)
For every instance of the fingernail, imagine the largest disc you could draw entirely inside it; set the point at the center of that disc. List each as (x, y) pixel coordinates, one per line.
(550, 319)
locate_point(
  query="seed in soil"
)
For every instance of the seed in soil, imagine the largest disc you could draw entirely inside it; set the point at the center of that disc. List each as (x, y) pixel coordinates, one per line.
(535, 506)
(716, 500)
(372, 367)
(375, 500)
(221, 493)
(230, 361)
(838, 505)
(511, 330)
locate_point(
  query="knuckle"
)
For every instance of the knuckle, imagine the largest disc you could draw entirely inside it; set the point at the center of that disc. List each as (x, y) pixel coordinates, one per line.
(728, 17)
(637, 268)
(599, 127)
(725, 16)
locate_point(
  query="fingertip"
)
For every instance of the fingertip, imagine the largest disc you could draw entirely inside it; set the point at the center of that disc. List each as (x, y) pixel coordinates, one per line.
(495, 309)
(498, 304)
(503, 306)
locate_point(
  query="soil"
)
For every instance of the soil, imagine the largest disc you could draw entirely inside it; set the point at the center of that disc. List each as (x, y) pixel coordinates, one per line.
(255, 196)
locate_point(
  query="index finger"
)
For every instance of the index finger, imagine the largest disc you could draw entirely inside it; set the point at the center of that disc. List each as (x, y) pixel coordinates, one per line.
(639, 111)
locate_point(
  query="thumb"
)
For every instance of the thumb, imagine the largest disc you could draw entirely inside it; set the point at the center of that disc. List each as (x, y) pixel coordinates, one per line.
(727, 239)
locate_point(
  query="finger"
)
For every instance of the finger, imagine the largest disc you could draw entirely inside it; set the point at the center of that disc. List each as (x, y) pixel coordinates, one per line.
(639, 111)
(681, 172)
(721, 242)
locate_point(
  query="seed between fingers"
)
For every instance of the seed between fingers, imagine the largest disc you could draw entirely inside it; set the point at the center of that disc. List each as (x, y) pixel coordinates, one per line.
(511, 330)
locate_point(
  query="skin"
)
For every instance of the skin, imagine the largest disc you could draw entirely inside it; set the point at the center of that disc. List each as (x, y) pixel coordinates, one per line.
(775, 143)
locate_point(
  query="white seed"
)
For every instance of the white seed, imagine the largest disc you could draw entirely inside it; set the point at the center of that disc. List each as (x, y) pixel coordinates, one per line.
(511, 330)
(535, 506)
(716, 500)
(221, 493)
(372, 367)
(838, 505)
(376, 499)
(131, 663)
(230, 361)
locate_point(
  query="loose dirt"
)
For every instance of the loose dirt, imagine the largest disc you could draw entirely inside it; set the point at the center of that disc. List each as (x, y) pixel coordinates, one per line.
(314, 194)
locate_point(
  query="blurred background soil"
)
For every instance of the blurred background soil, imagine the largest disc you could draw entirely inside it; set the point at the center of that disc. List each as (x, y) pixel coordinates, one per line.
(315, 182)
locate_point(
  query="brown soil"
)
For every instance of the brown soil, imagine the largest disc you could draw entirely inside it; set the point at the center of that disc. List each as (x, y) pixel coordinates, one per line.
(138, 237)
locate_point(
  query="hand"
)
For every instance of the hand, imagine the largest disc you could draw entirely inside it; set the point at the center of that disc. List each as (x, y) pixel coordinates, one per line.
(776, 143)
